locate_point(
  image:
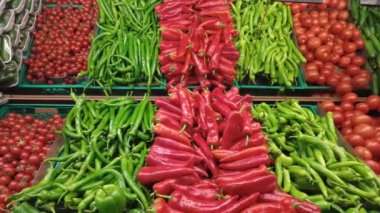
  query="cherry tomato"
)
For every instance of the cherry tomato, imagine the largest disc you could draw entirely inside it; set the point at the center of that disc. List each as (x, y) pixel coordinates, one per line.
(363, 107)
(365, 130)
(363, 152)
(327, 106)
(373, 102)
(374, 165)
(355, 140)
(350, 98)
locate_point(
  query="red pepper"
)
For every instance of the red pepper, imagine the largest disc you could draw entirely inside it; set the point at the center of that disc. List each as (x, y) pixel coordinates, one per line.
(214, 62)
(170, 133)
(219, 84)
(151, 174)
(172, 68)
(173, 4)
(172, 144)
(243, 175)
(246, 99)
(257, 139)
(200, 64)
(242, 204)
(222, 125)
(246, 163)
(162, 113)
(159, 205)
(265, 208)
(254, 151)
(175, 154)
(218, 94)
(171, 34)
(232, 92)
(247, 120)
(186, 107)
(203, 81)
(185, 69)
(279, 197)
(233, 130)
(212, 127)
(222, 153)
(232, 55)
(165, 187)
(216, 11)
(199, 100)
(214, 44)
(206, 3)
(172, 12)
(189, 204)
(261, 184)
(205, 193)
(168, 44)
(198, 139)
(159, 159)
(222, 108)
(183, 44)
(180, 25)
(209, 162)
(167, 121)
(226, 68)
(164, 103)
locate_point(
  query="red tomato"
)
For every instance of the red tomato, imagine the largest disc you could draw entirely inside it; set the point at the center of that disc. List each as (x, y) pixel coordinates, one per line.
(358, 61)
(365, 130)
(338, 118)
(361, 119)
(327, 106)
(360, 82)
(355, 140)
(343, 88)
(363, 107)
(344, 61)
(373, 102)
(323, 53)
(346, 106)
(363, 152)
(314, 43)
(350, 98)
(373, 146)
(336, 28)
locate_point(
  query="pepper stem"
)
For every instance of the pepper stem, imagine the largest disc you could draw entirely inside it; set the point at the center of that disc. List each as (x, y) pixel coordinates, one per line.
(183, 129)
(164, 196)
(246, 140)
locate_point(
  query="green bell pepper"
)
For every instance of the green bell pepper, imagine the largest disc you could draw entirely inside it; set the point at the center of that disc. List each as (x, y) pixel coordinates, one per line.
(110, 198)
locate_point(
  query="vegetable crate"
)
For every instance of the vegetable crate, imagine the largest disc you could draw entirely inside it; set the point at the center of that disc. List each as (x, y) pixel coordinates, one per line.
(39, 111)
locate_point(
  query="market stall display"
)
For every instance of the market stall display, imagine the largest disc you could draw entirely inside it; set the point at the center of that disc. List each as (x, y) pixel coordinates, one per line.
(366, 18)
(359, 125)
(197, 46)
(265, 43)
(24, 143)
(104, 148)
(231, 176)
(310, 164)
(61, 43)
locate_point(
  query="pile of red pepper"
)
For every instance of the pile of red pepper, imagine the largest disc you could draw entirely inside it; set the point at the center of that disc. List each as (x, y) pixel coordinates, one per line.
(210, 156)
(197, 46)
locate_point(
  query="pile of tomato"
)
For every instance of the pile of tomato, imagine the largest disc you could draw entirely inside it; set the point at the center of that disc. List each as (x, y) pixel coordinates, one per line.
(359, 124)
(24, 143)
(78, 2)
(62, 41)
(330, 45)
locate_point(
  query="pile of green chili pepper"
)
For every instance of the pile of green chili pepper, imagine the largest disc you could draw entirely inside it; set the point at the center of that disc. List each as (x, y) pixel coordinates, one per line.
(126, 49)
(367, 19)
(265, 42)
(309, 163)
(105, 144)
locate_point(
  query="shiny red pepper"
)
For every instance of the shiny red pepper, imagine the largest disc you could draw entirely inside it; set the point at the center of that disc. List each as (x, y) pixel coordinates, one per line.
(189, 204)
(167, 121)
(242, 204)
(172, 68)
(215, 58)
(200, 64)
(246, 163)
(257, 139)
(186, 67)
(215, 40)
(171, 34)
(212, 127)
(162, 113)
(222, 153)
(265, 208)
(168, 44)
(168, 132)
(186, 107)
(201, 193)
(158, 159)
(209, 162)
(172, 144)
(233, 130)
(203, 4)
(262, 184)
(165, 187)
(175, 154)
(222, 108)
(253, 151)
(243, 175)
(152, 174)
(164, 103)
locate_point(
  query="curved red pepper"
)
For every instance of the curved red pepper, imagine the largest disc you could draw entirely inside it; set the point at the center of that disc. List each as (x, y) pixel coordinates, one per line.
(253, 151)
(222, 153)
(172, 144)
(151, 174)
(242, 204)
(201, 193)
(175, 154)
(265, 208)
(246, 163)
(165, 187)
(163, 113)
(209, 162)
(262, 184)
(243, 175)
(233, 130)
(212, 127)
(186, 107)
(257, 139)
(164, 103)
(167, 121)
(168, 132)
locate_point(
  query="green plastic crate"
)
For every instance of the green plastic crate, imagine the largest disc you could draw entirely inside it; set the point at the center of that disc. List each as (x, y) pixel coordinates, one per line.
(38, 111)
